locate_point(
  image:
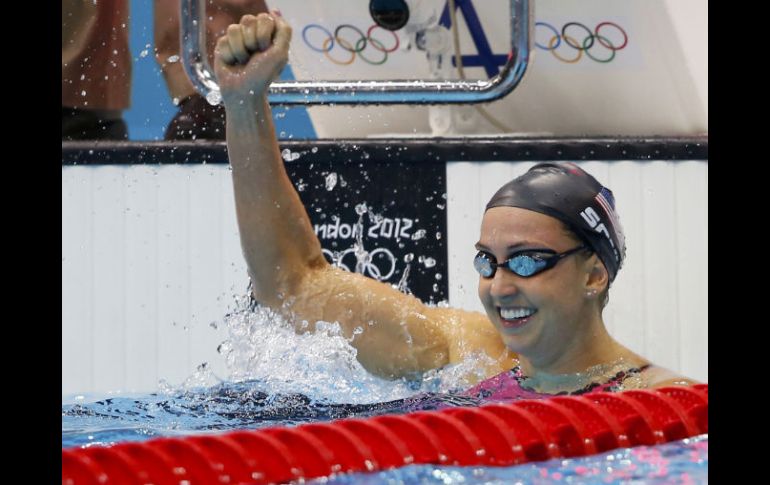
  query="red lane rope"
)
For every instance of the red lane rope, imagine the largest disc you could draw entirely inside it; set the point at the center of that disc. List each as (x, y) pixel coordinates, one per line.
(494, 434)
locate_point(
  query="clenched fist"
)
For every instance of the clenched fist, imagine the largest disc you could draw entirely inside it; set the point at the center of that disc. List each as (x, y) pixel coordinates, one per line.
(251, 55)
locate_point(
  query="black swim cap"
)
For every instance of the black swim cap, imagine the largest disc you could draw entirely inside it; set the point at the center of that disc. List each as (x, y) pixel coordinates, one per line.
(568, 193)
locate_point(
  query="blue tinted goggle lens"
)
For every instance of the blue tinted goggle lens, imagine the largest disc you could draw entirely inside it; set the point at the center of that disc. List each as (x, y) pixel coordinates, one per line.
(483, 265)
(522, 264)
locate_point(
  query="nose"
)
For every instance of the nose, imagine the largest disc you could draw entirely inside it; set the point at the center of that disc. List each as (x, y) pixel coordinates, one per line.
(503, 285)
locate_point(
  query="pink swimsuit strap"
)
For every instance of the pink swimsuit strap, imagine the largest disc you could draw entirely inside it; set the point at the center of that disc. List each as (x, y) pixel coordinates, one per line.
(508, 385)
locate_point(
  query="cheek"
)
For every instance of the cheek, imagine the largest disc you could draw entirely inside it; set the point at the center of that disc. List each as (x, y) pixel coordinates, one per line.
(562, 301)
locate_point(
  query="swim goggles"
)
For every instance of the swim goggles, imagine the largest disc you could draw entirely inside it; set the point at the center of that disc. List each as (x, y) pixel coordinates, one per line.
(525, 263)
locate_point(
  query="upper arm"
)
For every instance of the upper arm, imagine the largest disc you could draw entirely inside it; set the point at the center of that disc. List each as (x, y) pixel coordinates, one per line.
(394, 333)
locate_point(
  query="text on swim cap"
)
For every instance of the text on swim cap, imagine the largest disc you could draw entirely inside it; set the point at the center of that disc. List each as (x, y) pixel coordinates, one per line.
(593, 220)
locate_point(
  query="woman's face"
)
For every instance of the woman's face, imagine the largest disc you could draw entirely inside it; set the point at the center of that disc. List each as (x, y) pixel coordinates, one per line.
(539, 315)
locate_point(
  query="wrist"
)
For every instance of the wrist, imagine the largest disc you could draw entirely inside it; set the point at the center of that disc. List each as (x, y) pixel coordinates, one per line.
(249, 101)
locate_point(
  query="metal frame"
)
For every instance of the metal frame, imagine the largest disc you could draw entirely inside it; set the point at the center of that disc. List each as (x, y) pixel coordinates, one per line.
(415, 91)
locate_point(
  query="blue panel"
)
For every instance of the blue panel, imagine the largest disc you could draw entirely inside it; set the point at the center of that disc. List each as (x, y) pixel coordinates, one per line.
(151, 107)
(293, 121)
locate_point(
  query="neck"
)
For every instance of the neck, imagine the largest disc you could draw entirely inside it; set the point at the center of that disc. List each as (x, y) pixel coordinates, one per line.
(591, 356)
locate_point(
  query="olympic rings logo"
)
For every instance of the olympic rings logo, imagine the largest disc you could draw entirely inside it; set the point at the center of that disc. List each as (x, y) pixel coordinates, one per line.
(341, 38)
(365, 263)
(593, 38)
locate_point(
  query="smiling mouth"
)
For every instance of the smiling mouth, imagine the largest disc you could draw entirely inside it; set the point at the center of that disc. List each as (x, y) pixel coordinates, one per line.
(515, 317)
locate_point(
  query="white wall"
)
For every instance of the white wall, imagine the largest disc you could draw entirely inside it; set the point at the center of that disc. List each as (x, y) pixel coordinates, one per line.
(656, 85)
(151, 257)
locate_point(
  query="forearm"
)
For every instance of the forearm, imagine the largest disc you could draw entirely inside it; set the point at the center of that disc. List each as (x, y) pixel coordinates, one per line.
(277, 238)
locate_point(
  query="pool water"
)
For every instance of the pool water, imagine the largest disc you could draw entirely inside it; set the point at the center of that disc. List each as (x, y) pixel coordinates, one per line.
(682, 462)
(278, 378)
(240, 405)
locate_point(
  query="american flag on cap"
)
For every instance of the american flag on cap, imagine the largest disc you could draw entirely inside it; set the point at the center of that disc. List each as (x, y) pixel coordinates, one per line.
(607, 201)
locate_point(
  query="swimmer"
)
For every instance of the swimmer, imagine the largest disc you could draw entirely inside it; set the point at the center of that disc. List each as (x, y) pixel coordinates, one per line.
(550, 246)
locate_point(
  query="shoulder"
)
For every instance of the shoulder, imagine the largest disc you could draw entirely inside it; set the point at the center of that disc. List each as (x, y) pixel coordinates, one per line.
(471, 329)
(470, 335)
(661, 377)
(437, 335)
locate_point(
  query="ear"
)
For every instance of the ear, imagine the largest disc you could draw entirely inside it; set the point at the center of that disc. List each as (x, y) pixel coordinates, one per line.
(598, 278)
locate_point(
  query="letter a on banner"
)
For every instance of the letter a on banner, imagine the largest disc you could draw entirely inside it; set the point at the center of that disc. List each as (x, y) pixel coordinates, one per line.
(486, 58)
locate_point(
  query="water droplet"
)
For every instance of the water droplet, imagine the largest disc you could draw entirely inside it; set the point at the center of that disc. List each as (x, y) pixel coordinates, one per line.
(173, 59)
(419, 234)
(214, 97)
(331, 181)
(288, 155)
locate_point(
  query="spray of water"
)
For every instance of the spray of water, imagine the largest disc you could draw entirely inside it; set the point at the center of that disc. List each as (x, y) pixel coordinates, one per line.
(264, 349)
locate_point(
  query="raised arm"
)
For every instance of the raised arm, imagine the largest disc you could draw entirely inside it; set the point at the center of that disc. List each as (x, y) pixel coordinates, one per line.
(395, 334)
(276, 236)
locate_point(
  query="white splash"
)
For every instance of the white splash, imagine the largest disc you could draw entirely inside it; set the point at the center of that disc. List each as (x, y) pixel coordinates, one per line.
(264, 348)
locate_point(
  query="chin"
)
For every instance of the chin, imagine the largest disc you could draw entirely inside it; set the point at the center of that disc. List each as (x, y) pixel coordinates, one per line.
(516, 344)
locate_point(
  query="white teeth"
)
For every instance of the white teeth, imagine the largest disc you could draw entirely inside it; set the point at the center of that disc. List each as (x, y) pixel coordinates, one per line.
(511, 313)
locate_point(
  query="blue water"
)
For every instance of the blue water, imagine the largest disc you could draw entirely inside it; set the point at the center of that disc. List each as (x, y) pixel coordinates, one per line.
(226, 406)
(680, 462)
(230, 406)
(277, 377)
